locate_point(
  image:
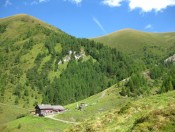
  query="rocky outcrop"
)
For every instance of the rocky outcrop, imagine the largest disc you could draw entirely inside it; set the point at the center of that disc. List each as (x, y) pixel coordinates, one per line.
(170, 59)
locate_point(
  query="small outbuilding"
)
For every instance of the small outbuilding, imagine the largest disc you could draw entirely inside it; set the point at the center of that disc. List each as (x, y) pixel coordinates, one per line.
(82, 106)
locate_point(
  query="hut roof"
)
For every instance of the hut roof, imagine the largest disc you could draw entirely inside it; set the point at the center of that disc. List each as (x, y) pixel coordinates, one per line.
(57, 107)
(50, 107)
(44, 106)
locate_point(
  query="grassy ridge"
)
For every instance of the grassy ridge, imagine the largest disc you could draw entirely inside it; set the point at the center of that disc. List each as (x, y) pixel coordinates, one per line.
(134, 42)
(26, 17)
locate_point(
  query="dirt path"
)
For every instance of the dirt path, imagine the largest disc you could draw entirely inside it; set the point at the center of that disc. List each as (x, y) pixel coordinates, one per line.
(103, 94)
(53, 118)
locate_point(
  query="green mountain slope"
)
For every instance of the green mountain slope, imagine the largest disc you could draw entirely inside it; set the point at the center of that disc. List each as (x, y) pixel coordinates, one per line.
(22, 38)
(41, 64)
(109, 110)
(140, 44)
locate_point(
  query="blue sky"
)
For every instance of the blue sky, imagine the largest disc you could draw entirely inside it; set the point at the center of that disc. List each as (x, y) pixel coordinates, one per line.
(91, 18)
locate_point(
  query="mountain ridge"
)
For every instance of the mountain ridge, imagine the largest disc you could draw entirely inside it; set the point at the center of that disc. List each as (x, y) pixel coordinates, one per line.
(138, 44)
(29, 18)
(23, 15)
(132, 30)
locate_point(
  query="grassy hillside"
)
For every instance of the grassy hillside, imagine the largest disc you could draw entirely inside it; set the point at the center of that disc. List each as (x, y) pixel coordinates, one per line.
(35, 124)
(11, 112)
(108, 111)
(96, 104)
(154, 113)
(140, 44)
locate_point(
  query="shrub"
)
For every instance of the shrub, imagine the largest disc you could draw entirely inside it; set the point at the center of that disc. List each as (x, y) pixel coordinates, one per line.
(19, 126)
(124, 108)
(20, 116)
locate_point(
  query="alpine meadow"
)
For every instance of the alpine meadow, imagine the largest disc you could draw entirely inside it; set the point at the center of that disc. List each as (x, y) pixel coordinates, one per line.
(64, 80)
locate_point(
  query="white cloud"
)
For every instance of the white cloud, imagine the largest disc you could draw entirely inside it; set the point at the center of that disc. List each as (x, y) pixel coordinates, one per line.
(40, 1)
(99, 24)
(77, 2)
(149, 26)
(147, 5)
(144, 5)
(7, 3)
(35, 2)
(112, 3)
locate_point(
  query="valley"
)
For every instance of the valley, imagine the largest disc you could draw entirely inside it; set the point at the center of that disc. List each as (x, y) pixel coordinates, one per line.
(124, 81)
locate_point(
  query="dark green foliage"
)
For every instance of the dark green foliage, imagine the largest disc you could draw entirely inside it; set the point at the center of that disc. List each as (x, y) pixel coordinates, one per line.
(16, 71)
(28, 44)
(125, 91)
(50, 44)
(165, 72)
(2, 84)
(17, 91)
(112, 63)
(21, 116)
(16, 100)
(26, 93)
(125, 108)
(156, 72)
(80, 80)
(141, 120)
(35, 103)
(136, 85)
(2, 28)
(167, 84)
(39, 58)
(19, 126)
(150, 57)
